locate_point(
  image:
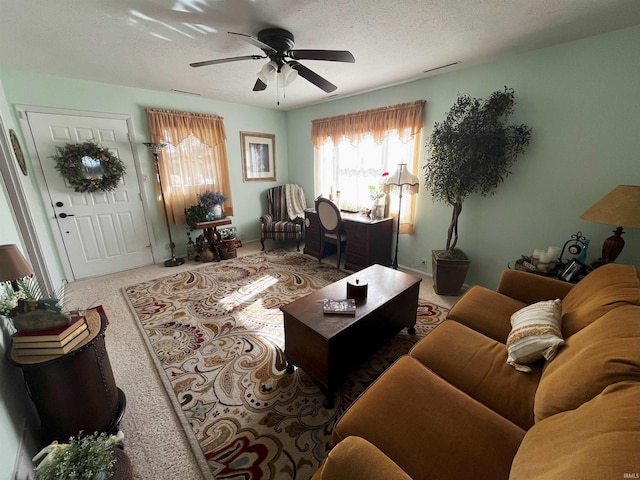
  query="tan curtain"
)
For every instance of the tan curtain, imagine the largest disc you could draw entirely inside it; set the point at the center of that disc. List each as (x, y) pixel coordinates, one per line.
(194, 160)
(406, 118)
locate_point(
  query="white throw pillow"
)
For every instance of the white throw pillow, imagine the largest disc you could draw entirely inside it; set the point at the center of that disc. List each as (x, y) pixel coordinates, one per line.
(535, 334)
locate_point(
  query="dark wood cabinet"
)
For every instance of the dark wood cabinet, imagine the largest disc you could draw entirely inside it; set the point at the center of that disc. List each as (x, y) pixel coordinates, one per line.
(76, 391)
(368, 241)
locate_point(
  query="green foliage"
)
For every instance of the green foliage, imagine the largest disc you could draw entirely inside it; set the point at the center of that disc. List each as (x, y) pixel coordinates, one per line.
(28, 289)
(83, 458)
(196, 214)
(69, 162)
(472, 151)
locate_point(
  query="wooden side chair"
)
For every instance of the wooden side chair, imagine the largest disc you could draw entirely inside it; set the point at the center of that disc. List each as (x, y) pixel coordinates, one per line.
(285, 217)
(331, 226)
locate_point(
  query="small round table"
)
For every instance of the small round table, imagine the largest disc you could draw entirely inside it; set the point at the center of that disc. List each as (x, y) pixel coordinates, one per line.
(76, 391)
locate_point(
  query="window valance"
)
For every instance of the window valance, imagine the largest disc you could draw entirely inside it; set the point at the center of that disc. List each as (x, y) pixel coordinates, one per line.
(173, 127)
(406, 118)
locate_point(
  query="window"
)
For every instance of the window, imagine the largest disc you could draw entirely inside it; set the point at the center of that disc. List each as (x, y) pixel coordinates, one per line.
(353, 151)
(194, 160)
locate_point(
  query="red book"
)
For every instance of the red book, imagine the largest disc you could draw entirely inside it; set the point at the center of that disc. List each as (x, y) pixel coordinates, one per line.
(51, 334)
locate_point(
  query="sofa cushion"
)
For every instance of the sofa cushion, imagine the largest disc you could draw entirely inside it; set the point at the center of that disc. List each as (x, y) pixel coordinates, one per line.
(356, 459)
(429, 428)
(486, 311)
(604, 352)
(476, 364)
(602, 290)
(535, 334)
(598, 440)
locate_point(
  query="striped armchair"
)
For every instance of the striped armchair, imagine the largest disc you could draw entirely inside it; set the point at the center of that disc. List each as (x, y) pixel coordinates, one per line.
(286, 205)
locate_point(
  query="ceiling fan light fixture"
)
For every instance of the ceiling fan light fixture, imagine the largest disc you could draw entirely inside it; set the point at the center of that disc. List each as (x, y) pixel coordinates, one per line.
(268, 72)
(287, 75)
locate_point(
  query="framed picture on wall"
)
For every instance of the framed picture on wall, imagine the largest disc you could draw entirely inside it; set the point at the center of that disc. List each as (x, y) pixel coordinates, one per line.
(258, 157)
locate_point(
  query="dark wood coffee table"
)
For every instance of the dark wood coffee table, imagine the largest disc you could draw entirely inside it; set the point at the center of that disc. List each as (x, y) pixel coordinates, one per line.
(329, 346)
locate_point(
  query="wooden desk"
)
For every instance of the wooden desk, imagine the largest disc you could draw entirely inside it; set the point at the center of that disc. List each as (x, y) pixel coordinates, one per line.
(75, 391)
(368, 241)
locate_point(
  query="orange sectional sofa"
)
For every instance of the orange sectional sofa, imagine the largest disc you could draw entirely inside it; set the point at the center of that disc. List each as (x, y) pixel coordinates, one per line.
(453, 408)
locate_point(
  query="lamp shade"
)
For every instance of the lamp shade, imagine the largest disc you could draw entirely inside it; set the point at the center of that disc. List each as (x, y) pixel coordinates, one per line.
(402, 179)
(620, 207)
(13, 265)
(268, 72)
(287, 74)
(155, 148)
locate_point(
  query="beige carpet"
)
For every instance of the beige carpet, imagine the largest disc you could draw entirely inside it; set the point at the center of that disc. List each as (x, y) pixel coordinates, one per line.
(155, 439)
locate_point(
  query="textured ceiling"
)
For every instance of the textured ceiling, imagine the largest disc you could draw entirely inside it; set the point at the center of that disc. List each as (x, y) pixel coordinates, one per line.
(150, 43)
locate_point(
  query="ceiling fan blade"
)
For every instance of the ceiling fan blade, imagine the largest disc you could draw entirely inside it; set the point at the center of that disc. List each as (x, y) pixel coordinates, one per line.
(330, 55)
(226, 60)
(254, 41)
(259, 86)
(313, 77)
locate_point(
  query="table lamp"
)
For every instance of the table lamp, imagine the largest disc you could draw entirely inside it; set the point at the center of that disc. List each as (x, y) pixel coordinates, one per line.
(621, 208)
(14, 265)
(401, 182)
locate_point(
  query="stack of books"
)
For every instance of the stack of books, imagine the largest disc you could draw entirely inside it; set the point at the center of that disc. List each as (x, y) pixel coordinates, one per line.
(54, 341)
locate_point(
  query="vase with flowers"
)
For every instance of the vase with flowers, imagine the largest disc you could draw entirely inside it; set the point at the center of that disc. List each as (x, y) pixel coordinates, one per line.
(379, 197)
(213, 201)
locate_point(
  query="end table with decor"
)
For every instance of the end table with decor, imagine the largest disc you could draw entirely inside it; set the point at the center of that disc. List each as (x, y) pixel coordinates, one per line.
(75, 391)
(212, 246)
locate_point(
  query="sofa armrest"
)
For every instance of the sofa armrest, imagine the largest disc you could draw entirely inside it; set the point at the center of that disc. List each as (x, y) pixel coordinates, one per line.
(356, 459)
(429, 428)
(531, 288)
(266, 219)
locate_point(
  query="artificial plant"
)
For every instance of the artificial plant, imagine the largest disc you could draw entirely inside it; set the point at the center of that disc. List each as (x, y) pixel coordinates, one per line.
(472, 151)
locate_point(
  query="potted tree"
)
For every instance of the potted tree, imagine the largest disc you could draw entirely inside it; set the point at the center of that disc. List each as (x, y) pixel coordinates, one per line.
(471, 151)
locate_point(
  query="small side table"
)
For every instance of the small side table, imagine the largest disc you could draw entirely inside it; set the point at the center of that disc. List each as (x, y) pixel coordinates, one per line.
(210, 237)
(210, 228)
(76, 391)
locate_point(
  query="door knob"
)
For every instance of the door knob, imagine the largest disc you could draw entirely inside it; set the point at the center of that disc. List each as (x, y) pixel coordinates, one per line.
(59, 204)
(64, 215)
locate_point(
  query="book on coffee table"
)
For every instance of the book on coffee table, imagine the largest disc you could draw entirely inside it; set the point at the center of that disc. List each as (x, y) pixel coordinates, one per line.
(346, 306)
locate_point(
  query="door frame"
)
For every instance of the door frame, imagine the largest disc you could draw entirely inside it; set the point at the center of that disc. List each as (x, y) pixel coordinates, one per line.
(22, 111)
(22, 214)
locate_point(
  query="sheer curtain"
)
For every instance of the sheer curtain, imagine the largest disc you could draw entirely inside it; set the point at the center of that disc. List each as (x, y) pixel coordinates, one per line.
(353, 151)
(194, 160)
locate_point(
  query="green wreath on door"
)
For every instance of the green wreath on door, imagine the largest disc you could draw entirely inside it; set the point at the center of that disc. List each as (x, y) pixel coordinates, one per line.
(88, 167)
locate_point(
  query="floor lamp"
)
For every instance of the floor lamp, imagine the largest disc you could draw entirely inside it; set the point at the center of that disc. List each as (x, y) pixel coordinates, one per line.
(155, 149)
(401, 182)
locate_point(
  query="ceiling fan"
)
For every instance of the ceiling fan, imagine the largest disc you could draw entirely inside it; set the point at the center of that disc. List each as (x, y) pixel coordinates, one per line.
(277, 44)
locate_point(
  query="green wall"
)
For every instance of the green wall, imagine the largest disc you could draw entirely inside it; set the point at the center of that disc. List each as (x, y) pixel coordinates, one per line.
(15, 404)
(583, 103)
(23, 88)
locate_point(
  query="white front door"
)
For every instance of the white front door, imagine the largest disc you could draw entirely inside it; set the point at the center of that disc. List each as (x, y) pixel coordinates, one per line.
(102, 232)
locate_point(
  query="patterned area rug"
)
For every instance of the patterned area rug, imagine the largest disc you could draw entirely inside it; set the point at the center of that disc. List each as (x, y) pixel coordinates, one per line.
(217, 335)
